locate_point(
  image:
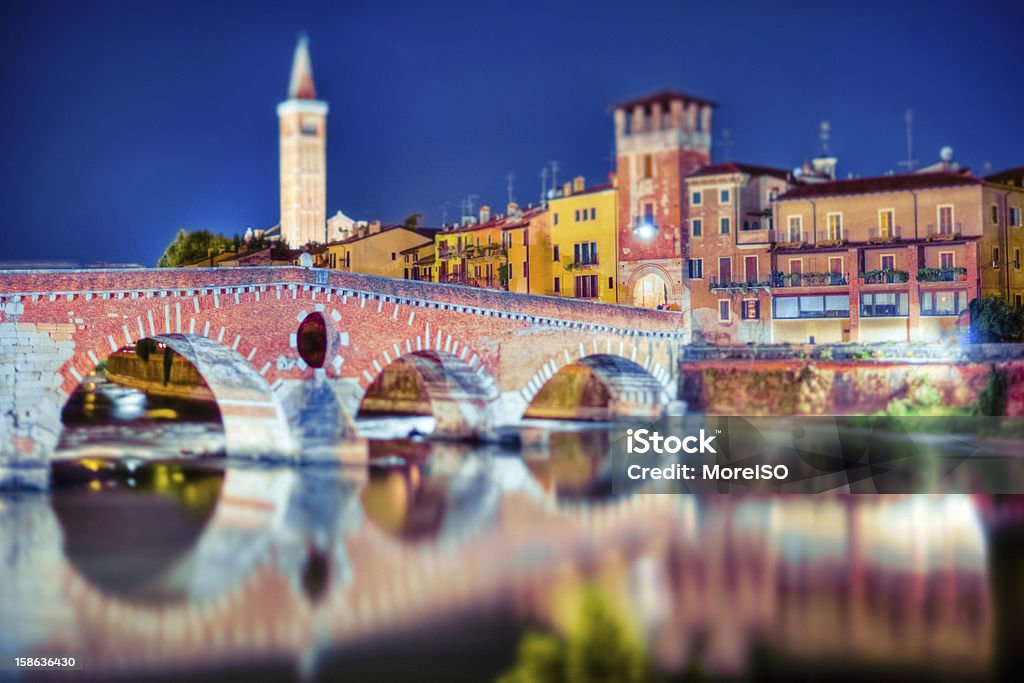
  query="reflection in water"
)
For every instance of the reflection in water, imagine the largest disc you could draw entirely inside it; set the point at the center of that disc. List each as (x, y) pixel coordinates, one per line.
(158, 568)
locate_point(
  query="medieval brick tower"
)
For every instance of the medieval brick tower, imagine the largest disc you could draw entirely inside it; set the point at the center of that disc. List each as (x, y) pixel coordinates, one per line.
(659, 140)
(303, 135)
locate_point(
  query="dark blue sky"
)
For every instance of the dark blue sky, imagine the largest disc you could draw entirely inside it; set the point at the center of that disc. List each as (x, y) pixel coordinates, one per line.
(122, 122)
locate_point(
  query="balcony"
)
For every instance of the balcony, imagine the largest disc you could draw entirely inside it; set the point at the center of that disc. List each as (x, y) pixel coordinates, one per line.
(884, 277)
(885, 235)
(828, 241)
(741, 286)
(941, 274)
(944, 231)
(809, 280)
(760, 235)
(581, 265)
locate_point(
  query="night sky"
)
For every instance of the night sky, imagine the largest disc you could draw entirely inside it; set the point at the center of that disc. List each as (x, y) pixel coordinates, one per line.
(123, 122)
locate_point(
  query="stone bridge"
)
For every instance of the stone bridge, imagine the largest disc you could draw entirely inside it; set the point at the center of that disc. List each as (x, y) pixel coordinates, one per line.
(290, 352)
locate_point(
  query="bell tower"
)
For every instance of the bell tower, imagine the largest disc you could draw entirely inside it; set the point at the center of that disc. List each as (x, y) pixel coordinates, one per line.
(302, 120)
(659, 140)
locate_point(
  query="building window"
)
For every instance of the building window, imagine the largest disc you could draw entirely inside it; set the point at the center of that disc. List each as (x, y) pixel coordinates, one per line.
(557, 257)
(526, 269)
(943, 302)
(554, 219)
(593, 214)
(648, 166)
(648, 213)
(526, 237)
(725, 270)
(884, 304)
(1018, 301)
(995, 258)
(995, 213)
(696, 268)
(888, 262)
(406, 273)
(577, 215)
(558, 285)
(835, 226)
(696, 198)
(945, 214)
(835, 265)
(724, 196)
(886, 223)
(817, 306)
(611, 282)
(586, 287)
(723, 225)
(585, 253)
(1015, 216)
(696, 227)
(394, 256)
(796, 265)
(796, 229)
(947, 259)
(1016, 258)
(750, 309)
(750, 269)
(724, 311)
(309, 126)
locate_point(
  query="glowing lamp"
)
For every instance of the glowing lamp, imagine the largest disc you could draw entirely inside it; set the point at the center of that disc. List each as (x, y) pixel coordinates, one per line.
(644, 229)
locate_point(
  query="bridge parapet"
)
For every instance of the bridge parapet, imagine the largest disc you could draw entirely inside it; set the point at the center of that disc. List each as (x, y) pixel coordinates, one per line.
(485, 353)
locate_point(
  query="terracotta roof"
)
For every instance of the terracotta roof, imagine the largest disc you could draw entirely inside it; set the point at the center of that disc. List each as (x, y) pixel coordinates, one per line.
(892, 183)
(663, 97)
(736, 167)
(1011, 176)
(588, 190)
(425, 233)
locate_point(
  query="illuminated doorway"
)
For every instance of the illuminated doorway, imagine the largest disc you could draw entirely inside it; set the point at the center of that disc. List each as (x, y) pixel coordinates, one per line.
(650, 291)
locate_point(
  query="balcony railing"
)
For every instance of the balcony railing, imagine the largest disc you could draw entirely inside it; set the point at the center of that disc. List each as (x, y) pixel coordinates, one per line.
(944, 231)
(581, 265)
(885, 236)
(941, 274)
(741, 285)
(884, 277)
(828, 240)
(809, 280)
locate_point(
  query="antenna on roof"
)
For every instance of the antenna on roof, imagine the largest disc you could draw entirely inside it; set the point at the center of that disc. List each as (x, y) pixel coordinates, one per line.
(543, 184)
(911, 162)
(444, 213)
(554, 176)
(824, 133)
(725, 143)
(510, 179)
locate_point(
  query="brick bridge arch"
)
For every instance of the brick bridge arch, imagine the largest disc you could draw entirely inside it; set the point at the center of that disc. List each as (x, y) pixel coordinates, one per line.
(488, 349)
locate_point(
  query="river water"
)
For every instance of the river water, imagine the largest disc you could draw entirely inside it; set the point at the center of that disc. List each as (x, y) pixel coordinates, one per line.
(152, 559)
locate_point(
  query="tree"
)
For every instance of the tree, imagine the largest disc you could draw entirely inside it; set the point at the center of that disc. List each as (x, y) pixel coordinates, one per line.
(189, 247)
(412, 222)
(995, 321)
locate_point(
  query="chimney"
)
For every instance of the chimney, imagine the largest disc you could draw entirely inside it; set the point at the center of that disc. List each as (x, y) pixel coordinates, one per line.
(566, 189)
(374, 227)
(513, 209)
(485, 213)
(578, 184)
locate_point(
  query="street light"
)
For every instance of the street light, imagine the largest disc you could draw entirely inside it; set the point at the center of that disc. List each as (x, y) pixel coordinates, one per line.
(644, 228)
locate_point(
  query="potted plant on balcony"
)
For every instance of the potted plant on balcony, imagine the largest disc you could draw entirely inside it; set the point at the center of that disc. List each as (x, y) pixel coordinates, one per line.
(961, 274)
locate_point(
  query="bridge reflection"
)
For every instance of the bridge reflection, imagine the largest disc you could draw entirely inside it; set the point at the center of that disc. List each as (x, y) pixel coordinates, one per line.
(293, 565)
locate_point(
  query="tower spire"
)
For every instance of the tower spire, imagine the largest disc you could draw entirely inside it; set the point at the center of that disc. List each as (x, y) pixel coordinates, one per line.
(300, 87)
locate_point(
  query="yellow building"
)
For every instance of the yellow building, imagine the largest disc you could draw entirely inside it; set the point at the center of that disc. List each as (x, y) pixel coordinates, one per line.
(375, 250)
(472, 254)
(527, 239)
(584, 230)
